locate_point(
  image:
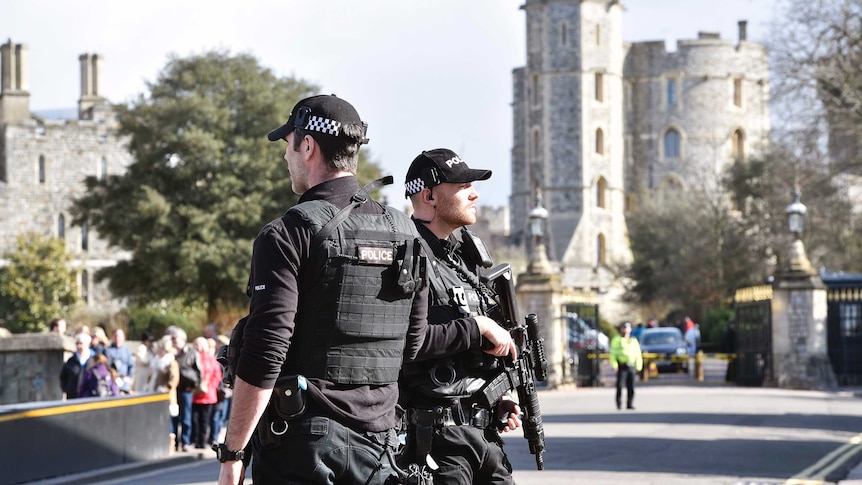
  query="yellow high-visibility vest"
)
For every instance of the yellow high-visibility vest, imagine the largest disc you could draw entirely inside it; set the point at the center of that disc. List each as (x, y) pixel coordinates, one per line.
(626, 351)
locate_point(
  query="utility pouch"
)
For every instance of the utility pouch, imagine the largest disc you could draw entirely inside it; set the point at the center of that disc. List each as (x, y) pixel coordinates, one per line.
(288, 397)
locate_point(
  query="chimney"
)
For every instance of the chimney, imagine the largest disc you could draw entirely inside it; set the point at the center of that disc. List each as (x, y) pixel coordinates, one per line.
(91, 85)
(14, 97)
(743, 36)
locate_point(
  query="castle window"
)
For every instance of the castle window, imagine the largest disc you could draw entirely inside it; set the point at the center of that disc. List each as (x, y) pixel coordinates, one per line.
(564, 34)
(41, 169)
(61, 226)
(738, 144)
(537, 144)
(85, 285)
(601, 254)
(85, 243)
(737, 92)
(598, 34)
(600, 87)
(103, 169)
(601, 188)
(535, 89)
(671, 143)
(600, 141)
(671, 92)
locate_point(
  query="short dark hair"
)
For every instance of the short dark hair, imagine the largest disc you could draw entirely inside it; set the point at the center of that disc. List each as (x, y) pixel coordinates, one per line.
(341, 153)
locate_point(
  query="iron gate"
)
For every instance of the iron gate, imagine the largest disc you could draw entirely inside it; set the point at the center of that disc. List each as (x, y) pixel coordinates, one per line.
(753, 309)
(582, 346)
(844, 325)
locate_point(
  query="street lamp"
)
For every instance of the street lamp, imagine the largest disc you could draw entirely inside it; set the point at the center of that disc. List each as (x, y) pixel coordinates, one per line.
(797, 259)
(538, 217)
(795, 214)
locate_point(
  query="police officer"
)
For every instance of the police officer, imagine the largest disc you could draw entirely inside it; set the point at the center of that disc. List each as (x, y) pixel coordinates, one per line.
(445, 419)
(626, 360)
(337, 300)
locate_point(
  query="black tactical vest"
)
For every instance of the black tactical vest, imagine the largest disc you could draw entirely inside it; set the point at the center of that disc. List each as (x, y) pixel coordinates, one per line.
(451, 297)
(351, 325)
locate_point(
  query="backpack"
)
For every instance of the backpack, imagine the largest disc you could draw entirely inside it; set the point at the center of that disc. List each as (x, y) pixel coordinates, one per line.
(103, 384)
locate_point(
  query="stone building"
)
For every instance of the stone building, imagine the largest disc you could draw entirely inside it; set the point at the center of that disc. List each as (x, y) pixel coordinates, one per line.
(43, 164)
(596, 120)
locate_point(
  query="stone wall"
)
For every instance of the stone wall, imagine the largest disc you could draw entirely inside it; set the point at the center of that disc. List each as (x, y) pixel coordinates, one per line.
(30, 366)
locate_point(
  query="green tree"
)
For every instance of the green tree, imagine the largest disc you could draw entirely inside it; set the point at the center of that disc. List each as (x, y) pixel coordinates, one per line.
(203, 181)
(689, 254)
(37, 285)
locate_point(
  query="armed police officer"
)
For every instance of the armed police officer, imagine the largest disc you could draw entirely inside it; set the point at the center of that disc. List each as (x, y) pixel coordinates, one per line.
(445, 421)
(337, 301)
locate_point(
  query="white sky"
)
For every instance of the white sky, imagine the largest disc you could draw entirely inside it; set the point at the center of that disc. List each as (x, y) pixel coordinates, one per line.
(423, 74)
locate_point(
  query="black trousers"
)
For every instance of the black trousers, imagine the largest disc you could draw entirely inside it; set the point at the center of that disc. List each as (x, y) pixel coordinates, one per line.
(626, 374)
(321, 451)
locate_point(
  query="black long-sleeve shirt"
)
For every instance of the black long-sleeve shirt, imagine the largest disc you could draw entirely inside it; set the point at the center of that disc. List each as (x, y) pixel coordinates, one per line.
(281, 272)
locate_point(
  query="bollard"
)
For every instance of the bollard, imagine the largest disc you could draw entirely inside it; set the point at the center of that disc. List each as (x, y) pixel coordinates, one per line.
(698, 365)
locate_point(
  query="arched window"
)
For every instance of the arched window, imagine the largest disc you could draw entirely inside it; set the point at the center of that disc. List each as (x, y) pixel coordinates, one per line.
(103, 169)
(85, 243)
(601, 256)
(61, 226)
(671, 143)
(601, 188)
(738, 144)
(600, 141)
(564, 34)
(85, 285)
(41, 169)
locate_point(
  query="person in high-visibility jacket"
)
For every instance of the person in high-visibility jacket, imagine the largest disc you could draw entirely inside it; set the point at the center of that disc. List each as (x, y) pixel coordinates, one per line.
(626, 359)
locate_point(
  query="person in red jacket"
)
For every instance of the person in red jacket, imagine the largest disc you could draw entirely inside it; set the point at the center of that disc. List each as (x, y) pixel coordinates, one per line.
(206, 395)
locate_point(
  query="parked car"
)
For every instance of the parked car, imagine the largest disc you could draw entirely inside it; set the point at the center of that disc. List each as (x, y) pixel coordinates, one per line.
(582, 336)
(668, 345)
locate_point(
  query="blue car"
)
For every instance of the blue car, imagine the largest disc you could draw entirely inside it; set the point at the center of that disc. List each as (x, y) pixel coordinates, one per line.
(668, 349)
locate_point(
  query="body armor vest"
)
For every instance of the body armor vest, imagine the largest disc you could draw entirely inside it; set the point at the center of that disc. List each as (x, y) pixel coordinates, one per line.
(352, 323)
(451, 297)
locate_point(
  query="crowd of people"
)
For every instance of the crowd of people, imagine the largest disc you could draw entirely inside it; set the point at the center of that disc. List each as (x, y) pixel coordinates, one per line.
(199, 403)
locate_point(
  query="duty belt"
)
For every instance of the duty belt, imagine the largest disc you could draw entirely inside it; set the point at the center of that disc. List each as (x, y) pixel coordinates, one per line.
(454, 415)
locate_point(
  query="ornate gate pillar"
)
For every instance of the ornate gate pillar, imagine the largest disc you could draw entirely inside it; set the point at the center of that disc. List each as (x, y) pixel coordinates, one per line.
(799, 344)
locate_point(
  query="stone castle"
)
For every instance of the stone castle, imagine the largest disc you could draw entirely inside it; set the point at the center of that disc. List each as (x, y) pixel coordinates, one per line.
(597, 120)
(43, 164)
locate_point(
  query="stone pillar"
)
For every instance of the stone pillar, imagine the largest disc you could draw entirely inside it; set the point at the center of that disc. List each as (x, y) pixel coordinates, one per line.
(541, 293)
(800, 357)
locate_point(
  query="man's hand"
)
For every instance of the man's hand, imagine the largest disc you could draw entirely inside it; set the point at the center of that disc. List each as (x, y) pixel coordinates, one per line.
(498, 336)
(509, 411)
(231, 473)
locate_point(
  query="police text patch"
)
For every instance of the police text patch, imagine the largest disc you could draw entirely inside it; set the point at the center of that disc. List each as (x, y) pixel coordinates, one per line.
(372, 255)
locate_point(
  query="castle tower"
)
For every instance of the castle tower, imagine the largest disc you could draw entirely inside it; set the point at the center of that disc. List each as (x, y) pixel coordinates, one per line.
(568, 136)
(14, 96)
(691, 113)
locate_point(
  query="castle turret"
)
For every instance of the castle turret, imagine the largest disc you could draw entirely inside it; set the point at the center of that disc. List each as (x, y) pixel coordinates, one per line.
(14, 97)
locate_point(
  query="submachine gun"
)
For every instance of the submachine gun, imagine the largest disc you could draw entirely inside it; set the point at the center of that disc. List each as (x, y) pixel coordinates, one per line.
(530, 366)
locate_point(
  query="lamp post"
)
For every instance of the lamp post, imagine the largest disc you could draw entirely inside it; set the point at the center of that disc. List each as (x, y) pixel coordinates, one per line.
(798, 261)
(539, 263)
(796, 214)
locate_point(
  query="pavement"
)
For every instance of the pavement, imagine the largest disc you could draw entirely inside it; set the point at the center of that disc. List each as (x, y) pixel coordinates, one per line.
(117, 473)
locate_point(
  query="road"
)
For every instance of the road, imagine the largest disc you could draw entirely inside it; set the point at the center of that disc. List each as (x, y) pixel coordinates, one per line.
(690, 433)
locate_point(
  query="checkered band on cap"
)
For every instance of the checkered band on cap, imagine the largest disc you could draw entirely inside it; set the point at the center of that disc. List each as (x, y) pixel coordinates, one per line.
(414, 186)
(323, 125)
